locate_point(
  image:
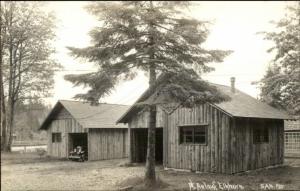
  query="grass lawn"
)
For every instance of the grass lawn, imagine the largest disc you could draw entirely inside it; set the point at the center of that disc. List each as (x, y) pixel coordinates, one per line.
(30, 172)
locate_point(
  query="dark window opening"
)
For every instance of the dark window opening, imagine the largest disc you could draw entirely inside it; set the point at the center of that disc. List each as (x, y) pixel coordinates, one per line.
(56, 137)
(260, 135)
(193, 134)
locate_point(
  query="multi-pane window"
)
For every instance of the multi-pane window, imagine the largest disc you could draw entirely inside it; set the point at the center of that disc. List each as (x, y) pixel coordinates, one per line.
(56, 137)
(261, 135)
(292, 142)
(192, 134)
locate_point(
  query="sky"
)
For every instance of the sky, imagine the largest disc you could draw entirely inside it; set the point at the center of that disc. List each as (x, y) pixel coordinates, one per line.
(235, 27)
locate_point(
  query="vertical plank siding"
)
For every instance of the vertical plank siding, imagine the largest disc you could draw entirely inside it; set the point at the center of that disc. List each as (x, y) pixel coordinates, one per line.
(102, 143)
(63, 126)
(230, 147)
(210, 157)
(140, 120)
(107, 144)
(256, 155)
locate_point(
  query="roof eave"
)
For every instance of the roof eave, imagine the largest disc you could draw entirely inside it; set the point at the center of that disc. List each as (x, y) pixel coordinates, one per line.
(47, 119)
(259, 117)
(122, 119)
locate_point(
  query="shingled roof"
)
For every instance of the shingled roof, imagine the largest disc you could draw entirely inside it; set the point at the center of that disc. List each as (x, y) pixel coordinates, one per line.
(244, 105)
(89, 116)
(240, 105)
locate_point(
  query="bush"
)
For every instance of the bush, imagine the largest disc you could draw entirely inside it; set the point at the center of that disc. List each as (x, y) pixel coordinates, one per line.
(41, 152)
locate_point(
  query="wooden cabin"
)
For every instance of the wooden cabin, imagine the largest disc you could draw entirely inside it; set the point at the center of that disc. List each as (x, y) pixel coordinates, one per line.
(229, 137)
(292, 138)
(74, 123)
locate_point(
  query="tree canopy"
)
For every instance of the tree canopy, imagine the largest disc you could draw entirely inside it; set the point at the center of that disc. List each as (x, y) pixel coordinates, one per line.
(27, 34)
(129, 32)
(151, 36)
(26, 63)
(280, 87)
(182, 88)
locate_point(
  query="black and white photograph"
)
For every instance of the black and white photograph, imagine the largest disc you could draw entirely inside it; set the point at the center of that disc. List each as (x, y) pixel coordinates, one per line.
(150, 95)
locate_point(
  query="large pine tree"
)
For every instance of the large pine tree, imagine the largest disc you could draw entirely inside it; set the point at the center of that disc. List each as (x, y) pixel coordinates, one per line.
(280, 86)
(156, 37)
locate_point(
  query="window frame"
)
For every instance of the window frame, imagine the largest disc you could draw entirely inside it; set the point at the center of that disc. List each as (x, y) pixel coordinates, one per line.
(56, 137)
(261, 135)
(193, 127)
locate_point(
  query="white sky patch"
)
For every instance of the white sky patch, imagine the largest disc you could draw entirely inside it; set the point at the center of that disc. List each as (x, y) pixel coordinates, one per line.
(235, 27)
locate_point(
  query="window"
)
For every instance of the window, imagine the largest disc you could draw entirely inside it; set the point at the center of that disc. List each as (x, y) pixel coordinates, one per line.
(56, 137)
(292, 142)
(192, 134)
(260, 135)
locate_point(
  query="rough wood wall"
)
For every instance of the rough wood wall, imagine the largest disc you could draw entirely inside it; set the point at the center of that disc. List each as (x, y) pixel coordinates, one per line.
(62, 123)
(291, 125)
(102, 143)
(140, 120)
(107, 143)
(230, 146)
(63, 126)
(247, 155)
(211, 157)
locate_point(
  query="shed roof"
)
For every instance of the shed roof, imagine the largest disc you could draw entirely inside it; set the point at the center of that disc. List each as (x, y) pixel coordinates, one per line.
(240, 105)
(89, 116)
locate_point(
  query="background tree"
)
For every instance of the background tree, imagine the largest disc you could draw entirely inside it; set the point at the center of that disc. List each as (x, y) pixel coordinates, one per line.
(156, 37)
(280, 87)
(30, 114)
(2, 102)
(27, 69)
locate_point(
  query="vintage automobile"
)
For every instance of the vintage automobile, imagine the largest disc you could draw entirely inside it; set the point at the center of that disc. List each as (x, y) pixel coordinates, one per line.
(77, 154)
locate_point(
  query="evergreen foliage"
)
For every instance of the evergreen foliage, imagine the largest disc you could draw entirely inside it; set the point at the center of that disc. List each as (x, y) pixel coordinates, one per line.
(280, 87)
(121, 45)
(151, 36)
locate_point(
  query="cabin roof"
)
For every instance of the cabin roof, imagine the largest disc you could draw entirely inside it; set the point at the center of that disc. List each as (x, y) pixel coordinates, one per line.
(244, 105)
(240, 105)
(89, 116)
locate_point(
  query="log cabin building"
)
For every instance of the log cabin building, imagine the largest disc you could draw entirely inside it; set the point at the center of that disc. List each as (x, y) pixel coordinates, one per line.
(229, 137)
(73, 123)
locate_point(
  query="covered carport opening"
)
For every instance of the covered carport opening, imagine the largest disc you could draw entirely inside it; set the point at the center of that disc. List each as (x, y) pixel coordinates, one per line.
(78, 139)
(139, 145)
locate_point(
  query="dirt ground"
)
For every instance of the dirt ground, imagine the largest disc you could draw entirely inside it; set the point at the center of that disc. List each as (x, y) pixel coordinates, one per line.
(29, 172)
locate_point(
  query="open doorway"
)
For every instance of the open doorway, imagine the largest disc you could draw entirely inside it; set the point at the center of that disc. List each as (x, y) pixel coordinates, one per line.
(78, 139)
(139, 150)
(159, 145)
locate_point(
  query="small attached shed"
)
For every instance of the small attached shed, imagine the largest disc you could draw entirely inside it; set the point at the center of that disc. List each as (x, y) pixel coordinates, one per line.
(230, 137)
(73, 123)
(292, 138)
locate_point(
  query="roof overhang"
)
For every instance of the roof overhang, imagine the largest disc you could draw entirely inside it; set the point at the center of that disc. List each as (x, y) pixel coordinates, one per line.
(47, 120)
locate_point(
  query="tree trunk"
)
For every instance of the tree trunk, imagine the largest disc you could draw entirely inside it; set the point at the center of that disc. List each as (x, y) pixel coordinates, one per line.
(10, 99)
(3, 127)
(150, 177)
(1, 82)
(2, 97)
(2, 105)
(2, 101)
(10, 123)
